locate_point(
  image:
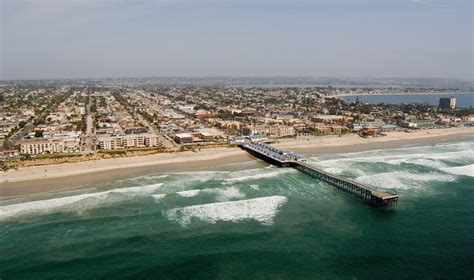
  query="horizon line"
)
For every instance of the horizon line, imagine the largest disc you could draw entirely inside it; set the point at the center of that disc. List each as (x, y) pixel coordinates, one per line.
(242, 77)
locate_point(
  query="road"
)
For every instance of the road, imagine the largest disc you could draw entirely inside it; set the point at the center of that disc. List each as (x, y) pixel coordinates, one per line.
(88, 140)
(22, 133)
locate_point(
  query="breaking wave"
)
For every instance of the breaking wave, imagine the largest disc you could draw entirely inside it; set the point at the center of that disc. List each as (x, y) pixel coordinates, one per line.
(75, 203)
(261, 209)
(466, 170)
(256, 174)
(403, 179)
(436, 158)
(221, 194)
(158, 197)
(189, 193)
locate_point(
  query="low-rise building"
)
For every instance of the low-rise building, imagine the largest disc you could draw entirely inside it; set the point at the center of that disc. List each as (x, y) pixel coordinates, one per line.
(114, 142)
(41, 145)
(200, 135)
(273, 130)
(59, 143)
(183, 138)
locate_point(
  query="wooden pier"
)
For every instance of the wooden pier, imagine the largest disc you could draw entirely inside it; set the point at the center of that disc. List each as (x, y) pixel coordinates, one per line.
(282, 158)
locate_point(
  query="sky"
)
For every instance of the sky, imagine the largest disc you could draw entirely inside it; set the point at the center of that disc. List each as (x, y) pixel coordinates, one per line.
(60, 39)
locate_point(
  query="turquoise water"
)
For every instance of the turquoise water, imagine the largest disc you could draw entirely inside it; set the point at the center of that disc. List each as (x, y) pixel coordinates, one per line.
(463, 100)
(252, 220)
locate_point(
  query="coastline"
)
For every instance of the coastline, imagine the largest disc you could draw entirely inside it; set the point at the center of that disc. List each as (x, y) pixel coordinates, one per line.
(38, 179)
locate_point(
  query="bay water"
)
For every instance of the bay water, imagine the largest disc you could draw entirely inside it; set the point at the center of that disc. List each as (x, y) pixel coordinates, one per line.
(463, 100)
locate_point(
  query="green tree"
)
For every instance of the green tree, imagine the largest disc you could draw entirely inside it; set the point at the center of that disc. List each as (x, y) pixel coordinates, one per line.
(38, 134)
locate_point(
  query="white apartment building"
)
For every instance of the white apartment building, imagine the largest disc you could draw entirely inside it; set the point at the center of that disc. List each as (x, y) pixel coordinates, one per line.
(50, 145)
(112, 142)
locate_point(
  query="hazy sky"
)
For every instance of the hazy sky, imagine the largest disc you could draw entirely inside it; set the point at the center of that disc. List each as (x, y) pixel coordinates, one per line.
(151, 38)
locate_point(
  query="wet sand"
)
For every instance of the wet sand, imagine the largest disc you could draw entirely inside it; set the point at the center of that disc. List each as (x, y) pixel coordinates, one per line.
(10, 189)
(55, 177)
(373, 146)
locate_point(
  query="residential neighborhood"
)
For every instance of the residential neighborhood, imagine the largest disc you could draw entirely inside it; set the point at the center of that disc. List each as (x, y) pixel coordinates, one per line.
(66, 119)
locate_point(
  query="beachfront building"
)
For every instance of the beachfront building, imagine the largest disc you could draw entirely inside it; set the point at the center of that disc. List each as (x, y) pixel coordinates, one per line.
(408, 124)
(49, 145)
(281, 131)
(113, 142)
(183, 138)
(273, 130)
(204, 135)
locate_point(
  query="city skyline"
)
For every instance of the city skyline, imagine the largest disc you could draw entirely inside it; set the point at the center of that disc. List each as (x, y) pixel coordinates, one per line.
(107, 39)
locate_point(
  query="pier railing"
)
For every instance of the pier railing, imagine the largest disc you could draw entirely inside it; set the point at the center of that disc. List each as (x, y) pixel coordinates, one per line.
(283, 158)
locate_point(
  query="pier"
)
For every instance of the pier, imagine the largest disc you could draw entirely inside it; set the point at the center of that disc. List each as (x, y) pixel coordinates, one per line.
(284, 158)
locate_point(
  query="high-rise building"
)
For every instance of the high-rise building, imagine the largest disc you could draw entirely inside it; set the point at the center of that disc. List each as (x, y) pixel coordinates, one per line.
(447, 103)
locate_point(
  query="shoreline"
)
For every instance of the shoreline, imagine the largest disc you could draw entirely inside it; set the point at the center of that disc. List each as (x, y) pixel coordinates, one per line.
(47, 178)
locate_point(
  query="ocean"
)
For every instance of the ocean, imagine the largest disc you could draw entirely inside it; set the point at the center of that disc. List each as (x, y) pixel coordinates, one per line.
(463, 100)
(254, 221)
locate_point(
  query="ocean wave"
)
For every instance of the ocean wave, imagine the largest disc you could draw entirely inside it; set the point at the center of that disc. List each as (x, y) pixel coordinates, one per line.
(465, 145)
(158, 197)
(466, 170)
(221, 194)
(189, 193)
(428, 162)
(227, 193)
(255, 187)
(403, 179)
(76, 202)
(199, 176)
(258, 174)
(334, 170)
(431, 158)
(261, 209)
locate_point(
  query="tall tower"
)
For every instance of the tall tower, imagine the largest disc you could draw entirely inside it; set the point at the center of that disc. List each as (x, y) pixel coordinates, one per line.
(447, 103)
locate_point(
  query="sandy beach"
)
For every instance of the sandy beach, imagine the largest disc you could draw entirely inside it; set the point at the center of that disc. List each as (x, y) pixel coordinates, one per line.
(30, 180)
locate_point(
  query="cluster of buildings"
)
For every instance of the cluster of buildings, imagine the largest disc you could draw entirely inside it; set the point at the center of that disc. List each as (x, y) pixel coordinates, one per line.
(87, 119)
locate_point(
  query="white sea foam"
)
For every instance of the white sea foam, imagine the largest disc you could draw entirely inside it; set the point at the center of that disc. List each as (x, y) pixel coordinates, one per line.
(221, 194)
(424, 156)
(189, 193)
(255, 187)
(403, 179)
(429, 162)
(334, 170)
(77, 202)
(227, 193)
(158, 197)
(261, 209)
(466, 170)
(260, 175)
